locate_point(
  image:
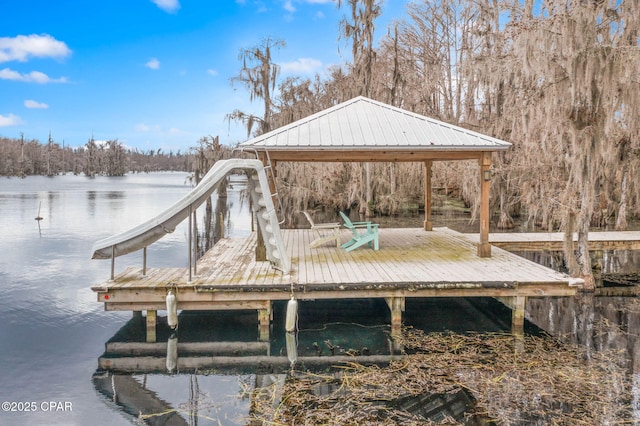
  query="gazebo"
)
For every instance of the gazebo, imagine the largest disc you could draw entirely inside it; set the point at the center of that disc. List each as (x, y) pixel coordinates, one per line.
(365, 130)
(415, 263)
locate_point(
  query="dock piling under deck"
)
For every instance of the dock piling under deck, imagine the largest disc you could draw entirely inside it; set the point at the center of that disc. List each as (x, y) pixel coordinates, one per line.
(411, 263)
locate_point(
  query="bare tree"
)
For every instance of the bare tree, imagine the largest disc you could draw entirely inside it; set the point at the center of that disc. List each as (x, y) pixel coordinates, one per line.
(360, 31)
(259, 75)
(570, 105)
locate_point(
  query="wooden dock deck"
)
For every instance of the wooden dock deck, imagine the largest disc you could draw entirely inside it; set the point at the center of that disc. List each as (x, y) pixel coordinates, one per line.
(411, 262)
(552, 241)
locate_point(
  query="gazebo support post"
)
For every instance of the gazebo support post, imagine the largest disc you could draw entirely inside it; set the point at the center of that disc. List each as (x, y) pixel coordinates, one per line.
(428, 224)
(484, 248)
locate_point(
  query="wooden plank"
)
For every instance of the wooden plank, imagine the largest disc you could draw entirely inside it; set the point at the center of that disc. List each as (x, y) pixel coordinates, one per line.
(205, 305)
(233, 266)
(338, 257)
(299, 266)
(247, 300)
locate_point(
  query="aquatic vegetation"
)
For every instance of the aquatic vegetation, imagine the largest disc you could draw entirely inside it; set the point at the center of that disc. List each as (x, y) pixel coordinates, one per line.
(448, 378)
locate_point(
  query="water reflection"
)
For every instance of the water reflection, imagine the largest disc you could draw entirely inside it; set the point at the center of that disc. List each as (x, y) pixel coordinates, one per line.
(222, 349)
(598, 323)
(215, 360)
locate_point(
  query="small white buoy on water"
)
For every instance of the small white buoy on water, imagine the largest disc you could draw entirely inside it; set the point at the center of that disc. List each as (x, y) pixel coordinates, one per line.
(172, 353)
(172, 311)
(292, 315)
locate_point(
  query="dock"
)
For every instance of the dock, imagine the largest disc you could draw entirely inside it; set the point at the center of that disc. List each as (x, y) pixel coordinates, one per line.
(552, 241)
(411, 263)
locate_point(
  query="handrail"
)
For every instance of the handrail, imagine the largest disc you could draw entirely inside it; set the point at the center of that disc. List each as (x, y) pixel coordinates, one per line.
(270, 169)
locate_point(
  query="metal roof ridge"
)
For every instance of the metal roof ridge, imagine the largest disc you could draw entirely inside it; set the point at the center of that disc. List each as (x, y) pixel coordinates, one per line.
(259, 141)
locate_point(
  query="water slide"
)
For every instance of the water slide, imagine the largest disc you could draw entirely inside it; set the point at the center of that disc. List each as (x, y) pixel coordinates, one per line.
(164, 223)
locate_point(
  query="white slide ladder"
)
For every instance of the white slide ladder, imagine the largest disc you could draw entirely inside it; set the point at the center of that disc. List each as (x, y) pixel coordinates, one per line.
(139, 237)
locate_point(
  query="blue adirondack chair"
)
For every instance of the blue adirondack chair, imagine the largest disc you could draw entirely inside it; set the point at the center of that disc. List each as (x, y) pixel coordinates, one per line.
(363, 233)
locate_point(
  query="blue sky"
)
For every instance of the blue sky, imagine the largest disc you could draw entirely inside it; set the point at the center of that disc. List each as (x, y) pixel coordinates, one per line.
(151, 73)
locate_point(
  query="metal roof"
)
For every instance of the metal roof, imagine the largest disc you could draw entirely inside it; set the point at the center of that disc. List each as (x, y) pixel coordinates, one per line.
(364, 124)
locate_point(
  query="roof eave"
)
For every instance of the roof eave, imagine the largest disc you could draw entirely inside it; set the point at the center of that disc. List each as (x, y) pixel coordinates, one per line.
(439, 148)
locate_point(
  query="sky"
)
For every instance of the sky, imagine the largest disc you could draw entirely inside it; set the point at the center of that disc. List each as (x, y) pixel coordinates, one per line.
(153, 74)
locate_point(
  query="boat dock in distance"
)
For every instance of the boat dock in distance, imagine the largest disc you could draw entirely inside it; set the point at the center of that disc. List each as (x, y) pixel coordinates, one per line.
(410, 263)
(552, 241)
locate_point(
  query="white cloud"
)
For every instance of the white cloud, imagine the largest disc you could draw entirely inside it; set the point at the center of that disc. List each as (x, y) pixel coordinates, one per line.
(212, 72)
(10, 120)
(32, 77)
(318, 1)
(319, 15)
(141, 127)
(153, 63)
(289, 7)
(35, 104)
(301, 66)
(169, 6)
(22, 48)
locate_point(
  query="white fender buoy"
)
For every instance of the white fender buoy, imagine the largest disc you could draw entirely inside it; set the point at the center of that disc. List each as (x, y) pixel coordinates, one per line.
(172, 310)
(172, 353)
(292, 347)
(292, 315)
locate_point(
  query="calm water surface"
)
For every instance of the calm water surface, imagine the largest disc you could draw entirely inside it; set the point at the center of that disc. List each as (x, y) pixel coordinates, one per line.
(53, 329)
(54, 334)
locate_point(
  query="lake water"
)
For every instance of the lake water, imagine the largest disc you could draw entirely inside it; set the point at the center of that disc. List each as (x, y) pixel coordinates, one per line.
(54, 334)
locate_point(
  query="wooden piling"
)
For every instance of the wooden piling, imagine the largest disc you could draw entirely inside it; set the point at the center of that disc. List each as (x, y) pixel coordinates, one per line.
(264, 322)
(517, 314)
(396, 306)
(152, 319)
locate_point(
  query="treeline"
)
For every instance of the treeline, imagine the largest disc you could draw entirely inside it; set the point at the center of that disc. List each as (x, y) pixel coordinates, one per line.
(20, 157)
(560, 80)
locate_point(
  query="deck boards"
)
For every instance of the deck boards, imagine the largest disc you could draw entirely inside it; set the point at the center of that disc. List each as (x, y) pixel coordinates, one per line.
(552, 241)
(410, 262)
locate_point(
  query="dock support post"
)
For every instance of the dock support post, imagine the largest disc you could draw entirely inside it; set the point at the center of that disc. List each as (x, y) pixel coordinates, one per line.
(152, 317)
(484, 248)
(428, 224)
(396, 306)
(517, 315)
(264, 322)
